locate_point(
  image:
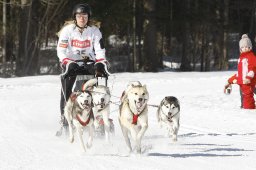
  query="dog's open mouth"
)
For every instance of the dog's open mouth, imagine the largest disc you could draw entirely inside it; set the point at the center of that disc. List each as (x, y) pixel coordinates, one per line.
(139, 104)
(169, 117)
(85, 105)
(100, 105)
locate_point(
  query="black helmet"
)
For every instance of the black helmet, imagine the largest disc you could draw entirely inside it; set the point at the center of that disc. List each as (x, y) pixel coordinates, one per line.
(81, 8)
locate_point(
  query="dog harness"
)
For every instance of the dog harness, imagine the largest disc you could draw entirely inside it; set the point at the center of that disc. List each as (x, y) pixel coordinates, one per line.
(135, 117)
(87, 121)
(73, 96)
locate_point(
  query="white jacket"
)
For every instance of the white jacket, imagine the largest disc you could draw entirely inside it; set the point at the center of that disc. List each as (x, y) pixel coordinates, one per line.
(72, 44)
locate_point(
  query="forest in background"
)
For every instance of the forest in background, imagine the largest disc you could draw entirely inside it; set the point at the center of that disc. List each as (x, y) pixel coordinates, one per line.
(139, 35)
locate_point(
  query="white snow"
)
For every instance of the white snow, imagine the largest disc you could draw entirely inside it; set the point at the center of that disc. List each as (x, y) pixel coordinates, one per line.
(215, 134)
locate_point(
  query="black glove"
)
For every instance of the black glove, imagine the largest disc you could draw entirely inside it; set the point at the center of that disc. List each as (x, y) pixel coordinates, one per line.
(70, 70)
(100, 70)
(227, 88)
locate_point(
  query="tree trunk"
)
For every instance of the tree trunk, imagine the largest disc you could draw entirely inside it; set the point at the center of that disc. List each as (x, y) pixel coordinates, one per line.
(225, 36)
(4, 38)
(150, 56)
(139, 28)
(135, 59)
(185, 57)
(29, 40)
(202, 56)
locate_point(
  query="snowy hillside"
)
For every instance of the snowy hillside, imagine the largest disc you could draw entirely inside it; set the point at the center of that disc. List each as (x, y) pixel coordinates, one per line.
(215, 134)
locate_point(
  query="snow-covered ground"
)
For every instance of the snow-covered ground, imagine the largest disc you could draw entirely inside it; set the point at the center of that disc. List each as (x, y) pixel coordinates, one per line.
(215, 134)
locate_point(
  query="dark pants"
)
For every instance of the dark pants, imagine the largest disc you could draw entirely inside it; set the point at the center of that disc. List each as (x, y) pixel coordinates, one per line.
(67, 85)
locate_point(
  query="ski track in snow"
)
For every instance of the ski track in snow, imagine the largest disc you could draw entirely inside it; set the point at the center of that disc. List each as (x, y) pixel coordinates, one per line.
(214, 133)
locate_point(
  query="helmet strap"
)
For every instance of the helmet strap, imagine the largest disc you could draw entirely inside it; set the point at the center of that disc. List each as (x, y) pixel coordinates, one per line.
(81, 27)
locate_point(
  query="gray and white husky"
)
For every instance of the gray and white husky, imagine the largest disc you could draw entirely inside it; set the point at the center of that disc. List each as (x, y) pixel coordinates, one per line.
(101, 110)
(78, 112)
(168, 116)
(133, 117)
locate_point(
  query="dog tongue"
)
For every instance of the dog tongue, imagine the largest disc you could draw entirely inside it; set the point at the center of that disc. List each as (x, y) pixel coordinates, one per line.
(139, 104)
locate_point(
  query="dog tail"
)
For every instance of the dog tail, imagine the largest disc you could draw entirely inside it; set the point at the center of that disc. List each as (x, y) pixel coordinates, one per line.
(89, 84)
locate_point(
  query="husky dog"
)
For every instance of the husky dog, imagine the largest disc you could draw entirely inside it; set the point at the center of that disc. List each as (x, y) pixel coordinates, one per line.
(133, 117)
(101, 109)
(168, 115)
(78, 112)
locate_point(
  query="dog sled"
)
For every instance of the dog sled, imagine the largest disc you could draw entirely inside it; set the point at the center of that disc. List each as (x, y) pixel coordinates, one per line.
(81, 78)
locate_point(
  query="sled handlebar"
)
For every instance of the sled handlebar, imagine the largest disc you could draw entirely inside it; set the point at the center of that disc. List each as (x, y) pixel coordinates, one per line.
(85, 61)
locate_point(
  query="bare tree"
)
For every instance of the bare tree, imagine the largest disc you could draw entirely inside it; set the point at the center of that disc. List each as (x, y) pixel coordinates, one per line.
(185, 56)
(150, 57)
(32, 25)
(4, 37)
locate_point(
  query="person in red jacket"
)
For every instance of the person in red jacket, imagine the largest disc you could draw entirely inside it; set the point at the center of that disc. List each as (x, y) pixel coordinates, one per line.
(246, 73)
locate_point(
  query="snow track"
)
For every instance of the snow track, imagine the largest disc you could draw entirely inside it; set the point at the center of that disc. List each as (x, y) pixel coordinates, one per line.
(214, 133)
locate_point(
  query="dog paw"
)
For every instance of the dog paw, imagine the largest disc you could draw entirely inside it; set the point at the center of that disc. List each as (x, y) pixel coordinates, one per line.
(96, 125)
(174, 139)
(129, 149)
(71, 139)
(138, 150)
(88, 145)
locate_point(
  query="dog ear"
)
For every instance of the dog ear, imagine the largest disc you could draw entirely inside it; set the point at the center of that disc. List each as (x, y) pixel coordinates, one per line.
(73, 96)
(166, 100)
(145, 88)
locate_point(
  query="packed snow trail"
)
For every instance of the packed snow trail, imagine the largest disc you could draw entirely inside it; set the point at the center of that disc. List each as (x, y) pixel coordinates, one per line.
(214, 133)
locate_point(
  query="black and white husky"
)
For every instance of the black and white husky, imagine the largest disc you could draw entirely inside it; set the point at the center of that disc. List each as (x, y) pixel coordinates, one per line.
(78, 112)
(168, 116)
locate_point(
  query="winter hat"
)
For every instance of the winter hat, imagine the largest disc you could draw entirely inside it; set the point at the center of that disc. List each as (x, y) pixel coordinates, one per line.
(245, 42)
